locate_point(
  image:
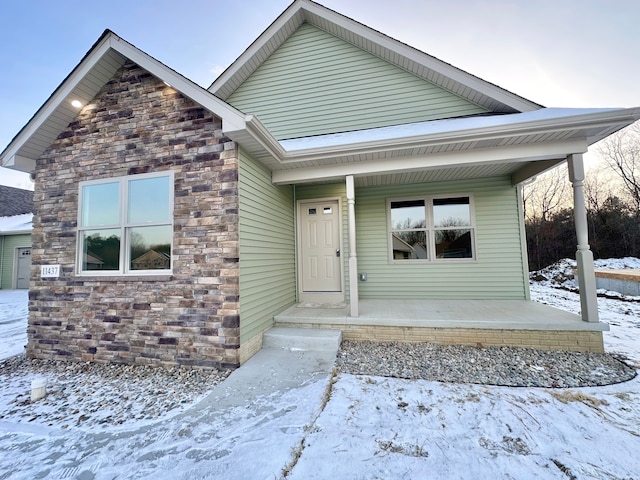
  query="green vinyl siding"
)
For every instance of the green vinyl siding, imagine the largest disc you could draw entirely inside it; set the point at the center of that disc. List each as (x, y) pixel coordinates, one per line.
(497, 271)
(8, 245)
(316, 83)
(333, 191)
(267, 248)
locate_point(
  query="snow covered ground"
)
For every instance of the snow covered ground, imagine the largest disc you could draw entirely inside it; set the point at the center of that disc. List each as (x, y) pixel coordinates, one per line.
(370, 428)
(13, 322)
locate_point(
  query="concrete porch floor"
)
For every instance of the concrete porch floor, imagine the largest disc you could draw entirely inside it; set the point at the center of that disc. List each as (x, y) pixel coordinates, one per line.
(483, 314)
(518, 323)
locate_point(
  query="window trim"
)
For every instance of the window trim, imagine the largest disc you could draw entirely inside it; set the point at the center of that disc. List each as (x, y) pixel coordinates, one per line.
(124, 226)
(430, 229)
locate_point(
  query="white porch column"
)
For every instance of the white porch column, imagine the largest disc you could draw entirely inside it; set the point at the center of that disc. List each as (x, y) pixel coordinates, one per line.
(353, 258)
(584, 256)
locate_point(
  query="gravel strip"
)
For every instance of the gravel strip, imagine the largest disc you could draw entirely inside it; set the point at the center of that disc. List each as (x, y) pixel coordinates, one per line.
(508, 366)
(91, 395)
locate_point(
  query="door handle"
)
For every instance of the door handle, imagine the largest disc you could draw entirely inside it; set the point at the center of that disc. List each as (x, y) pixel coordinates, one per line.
(337, 252)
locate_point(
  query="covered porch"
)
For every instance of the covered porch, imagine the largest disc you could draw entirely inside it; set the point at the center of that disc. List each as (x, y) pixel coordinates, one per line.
(481, 162)
(519, 323)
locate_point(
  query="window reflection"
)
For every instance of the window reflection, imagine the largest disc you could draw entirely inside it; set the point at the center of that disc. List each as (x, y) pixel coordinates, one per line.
(431, 228)
(409, 245)
(150, 248)
(453, 244)
(125, 224)
(100, 204)
(101, 249)
(149, 200)
(451, 212)
(408, 214)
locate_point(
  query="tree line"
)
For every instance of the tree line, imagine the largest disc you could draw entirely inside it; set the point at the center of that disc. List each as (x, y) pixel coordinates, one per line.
(612, 192)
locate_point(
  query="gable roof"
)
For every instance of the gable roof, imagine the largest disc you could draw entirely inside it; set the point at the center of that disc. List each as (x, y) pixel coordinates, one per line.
(316, 83)
(427, 67)
(519, 138)
(15, 201)
(95, 69)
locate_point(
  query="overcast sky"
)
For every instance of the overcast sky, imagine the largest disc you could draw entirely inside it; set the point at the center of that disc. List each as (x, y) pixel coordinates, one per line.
(559, 53)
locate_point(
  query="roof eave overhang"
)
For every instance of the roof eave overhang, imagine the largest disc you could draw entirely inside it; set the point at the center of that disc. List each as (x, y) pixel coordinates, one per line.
(402, 55)
(37, 132)
(305, 165)
(6, 233)
(523, 154)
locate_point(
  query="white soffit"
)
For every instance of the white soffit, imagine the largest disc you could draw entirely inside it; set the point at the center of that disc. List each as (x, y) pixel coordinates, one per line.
(575, 128)
(97, 67)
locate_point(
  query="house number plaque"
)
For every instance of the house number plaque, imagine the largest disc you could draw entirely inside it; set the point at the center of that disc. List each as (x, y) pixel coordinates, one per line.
(49, 271)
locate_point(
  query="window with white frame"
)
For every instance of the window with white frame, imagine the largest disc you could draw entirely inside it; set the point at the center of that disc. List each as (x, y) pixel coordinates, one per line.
(125, 225)
(431, 228)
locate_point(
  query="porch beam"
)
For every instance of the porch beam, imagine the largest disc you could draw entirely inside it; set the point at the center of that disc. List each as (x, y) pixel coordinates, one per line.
(533, 169)
(513, 153)
(584, 256)
(353, 258)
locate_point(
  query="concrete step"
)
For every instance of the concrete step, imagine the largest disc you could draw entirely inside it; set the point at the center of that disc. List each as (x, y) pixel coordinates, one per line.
(303, 339)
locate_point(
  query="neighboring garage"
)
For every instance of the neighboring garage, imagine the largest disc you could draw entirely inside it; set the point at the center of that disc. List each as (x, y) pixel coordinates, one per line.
(16, 214)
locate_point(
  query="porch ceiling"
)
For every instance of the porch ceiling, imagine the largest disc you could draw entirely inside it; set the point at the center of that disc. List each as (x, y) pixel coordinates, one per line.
(439, 174)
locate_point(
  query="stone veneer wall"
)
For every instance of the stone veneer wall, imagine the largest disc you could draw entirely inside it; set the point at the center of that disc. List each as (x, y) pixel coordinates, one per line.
(137, 124)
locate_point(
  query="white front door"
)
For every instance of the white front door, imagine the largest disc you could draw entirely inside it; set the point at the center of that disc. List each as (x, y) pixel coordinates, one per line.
(23, 267)
(320, 247)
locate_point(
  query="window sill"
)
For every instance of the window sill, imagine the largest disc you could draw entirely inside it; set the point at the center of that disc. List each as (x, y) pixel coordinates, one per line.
(123, 278)
(440, 261)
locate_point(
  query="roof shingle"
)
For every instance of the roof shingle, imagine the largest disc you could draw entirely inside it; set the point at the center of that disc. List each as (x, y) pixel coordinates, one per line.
(15, 201)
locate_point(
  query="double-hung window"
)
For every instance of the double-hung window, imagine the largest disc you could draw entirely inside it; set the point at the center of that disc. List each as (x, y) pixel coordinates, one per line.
(125, 225)
(431, 228)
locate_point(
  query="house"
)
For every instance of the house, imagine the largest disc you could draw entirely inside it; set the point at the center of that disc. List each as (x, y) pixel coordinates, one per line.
(152, 260)
(330, 167)
(16, 212)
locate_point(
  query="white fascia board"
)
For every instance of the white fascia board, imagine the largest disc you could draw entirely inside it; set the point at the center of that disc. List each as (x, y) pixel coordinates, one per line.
(414, 55)
(593, 118)
(258, 131)
(8, 233)
(292, 15)
(443, 128)
(231, 117)
(514, 153)
(258, 44)
(20, 163)
(52, 103)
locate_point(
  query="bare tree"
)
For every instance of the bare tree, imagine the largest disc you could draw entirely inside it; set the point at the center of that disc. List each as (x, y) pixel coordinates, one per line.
(622, 152)
(599, 185)
(548, 194)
